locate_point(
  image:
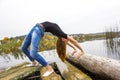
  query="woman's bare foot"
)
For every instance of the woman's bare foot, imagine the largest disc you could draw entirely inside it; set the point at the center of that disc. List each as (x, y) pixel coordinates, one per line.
(49, 68)
(49, 71)
(33, 64)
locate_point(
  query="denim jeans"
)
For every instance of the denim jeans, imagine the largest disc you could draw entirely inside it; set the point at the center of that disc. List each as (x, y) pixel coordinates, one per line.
(33, 39)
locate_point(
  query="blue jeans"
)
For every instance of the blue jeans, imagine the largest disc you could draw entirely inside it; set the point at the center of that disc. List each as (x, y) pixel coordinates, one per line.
(33, 39)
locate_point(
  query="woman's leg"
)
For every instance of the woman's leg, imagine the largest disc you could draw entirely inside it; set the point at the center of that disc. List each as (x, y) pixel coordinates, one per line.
(35, 39)
(25, 46)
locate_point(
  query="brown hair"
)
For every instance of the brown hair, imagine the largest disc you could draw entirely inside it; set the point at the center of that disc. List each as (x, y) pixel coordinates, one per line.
(61, 49)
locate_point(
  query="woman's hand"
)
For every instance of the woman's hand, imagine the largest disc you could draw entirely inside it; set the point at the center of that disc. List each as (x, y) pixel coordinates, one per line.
(73, 52)
(80, 54)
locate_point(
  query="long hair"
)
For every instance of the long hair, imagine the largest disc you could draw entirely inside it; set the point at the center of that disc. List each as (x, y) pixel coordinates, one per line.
(61, 49)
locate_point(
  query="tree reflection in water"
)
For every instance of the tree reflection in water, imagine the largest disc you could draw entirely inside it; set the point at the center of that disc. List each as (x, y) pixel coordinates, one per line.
(113, 42)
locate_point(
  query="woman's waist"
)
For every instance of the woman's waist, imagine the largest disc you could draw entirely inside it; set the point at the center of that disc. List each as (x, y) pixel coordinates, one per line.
(40, 25)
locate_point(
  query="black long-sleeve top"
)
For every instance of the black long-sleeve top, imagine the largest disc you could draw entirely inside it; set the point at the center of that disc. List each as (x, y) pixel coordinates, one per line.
(54, 29)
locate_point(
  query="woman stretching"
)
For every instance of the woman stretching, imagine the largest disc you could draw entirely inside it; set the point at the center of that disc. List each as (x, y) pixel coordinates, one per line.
(33, 38)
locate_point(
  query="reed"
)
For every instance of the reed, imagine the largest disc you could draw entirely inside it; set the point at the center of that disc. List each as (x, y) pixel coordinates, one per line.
(112, 41)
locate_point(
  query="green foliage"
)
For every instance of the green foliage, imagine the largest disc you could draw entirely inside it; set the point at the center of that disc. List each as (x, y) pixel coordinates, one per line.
(6, 38)
(13, 45)
(48, 42)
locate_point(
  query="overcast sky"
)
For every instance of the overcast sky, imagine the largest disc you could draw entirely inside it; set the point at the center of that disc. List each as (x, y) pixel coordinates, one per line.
(17, 17)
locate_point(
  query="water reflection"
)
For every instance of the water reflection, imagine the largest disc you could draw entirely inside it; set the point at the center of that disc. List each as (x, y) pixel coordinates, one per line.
(7, 61)
(10, 60)
(113, 43)
(113, 48)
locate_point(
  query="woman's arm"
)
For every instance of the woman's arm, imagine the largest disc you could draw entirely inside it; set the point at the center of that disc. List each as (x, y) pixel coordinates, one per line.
(75, 43)
(68, 43)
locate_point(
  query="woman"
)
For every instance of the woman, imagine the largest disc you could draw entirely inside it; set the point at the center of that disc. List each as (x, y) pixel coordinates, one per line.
(33, 38)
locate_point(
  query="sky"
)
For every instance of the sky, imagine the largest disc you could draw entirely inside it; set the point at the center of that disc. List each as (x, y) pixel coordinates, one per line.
(17, 17)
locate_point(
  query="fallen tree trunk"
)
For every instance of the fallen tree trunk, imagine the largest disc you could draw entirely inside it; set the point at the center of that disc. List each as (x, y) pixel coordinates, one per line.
(101, 66)
(70, 72)
(18, 72)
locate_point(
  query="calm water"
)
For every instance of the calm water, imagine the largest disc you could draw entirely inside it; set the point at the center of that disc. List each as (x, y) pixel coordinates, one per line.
(101, 48)
(97, 47)
(6, 62)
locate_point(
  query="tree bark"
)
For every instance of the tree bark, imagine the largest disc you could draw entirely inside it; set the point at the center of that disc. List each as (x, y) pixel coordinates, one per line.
(101, 66)
(70, 72)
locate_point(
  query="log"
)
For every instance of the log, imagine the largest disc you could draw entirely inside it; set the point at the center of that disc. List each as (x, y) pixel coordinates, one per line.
(101, 66)
(70, 72)
(18, 72)
(21, 72)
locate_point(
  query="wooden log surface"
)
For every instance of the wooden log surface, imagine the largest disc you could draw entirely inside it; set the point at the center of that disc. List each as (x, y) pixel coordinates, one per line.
(17, 72)
(102, 66)
(70, 72)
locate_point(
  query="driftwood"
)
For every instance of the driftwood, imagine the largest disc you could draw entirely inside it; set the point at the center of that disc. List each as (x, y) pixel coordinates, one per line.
(21, 72)
(102, 66)
(70, 72)
(18, 72)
